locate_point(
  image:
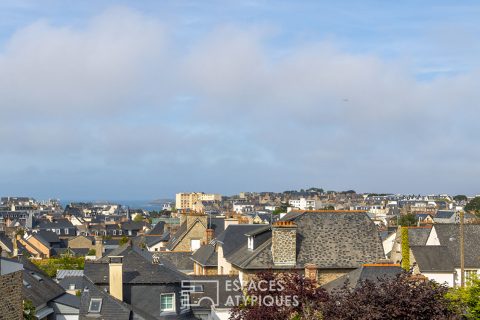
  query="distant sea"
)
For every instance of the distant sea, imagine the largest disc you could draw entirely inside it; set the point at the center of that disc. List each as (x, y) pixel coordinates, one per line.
(150, 205)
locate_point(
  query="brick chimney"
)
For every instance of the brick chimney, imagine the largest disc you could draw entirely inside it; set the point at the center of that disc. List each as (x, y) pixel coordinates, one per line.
(209, 235)
(98, 247)
(15, 246)
(115, 271)
(284, 243)
(311, 271)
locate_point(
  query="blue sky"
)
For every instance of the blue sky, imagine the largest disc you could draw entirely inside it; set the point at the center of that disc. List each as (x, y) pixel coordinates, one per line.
(142, 99)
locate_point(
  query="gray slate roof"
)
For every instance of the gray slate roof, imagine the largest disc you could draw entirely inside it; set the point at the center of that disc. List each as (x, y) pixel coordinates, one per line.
(330, 240)
(41, 288)
(111, 309)
(418, 236)
(362, 274)
(206, 255)
(136, 268)
(449, 235)
(433, 258)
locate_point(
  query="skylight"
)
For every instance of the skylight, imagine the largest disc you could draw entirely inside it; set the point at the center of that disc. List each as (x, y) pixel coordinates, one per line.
(95, 305)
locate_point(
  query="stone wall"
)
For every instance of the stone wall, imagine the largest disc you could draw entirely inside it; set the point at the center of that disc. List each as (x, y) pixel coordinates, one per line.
(284, 245)
(196, 232)
(80, 242)
(11, 300)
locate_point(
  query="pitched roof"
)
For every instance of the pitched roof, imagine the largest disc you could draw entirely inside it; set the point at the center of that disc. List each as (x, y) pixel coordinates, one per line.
(136, 268)
(159, 229)
(69, 300)
(418, 236)
(364, 273)
(6, 241)
(444, 214)
(48, 236)
(38, 287)
(57, 224)
(111, 308)
(449, 235)
(206, 256)
(177, 237)
(433, 258)
(328, 239)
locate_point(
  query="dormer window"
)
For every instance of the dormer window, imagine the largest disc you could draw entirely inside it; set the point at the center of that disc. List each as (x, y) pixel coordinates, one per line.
(95, 305)
(250, 243)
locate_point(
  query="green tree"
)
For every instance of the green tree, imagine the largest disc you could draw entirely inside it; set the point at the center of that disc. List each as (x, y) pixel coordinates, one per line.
(407, 220)
(91, 252)
(28, 310)
(467, 299)
(405, 249)
(123, 241)
(460, 197)
(473, 206)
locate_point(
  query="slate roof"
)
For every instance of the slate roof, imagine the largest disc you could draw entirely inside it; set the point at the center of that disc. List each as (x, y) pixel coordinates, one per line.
(418, 236)
(444, 214)
(217, 224)
(69, 300)
(6, 241)
(159, 229)
(206, 255)
(41, 288)
(177, 237)
(57, 224)
(48, 236)
(449, 235)
(111, 309)
(134, 225)
(67, 281)
(329, 239)
(362, 274)
(233, 238)
(137, 268)
(433, 258)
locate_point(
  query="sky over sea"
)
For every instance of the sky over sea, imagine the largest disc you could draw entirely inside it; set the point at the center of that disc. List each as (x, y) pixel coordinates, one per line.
(143, 99)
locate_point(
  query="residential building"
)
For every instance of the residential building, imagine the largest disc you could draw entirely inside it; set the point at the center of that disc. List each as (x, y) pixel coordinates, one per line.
(332, 243)
(187, 200)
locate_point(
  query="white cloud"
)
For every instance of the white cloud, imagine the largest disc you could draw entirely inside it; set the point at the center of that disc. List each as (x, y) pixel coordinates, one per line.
(119, 93)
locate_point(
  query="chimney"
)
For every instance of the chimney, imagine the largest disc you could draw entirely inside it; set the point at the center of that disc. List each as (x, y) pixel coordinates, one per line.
(230, 221)
(98, 247)
(15, 246)
(284, 243)
(209, 235)
(311, 271)
(115, 270)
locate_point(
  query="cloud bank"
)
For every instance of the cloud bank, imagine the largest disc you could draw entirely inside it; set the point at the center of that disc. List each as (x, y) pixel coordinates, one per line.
(119, 109)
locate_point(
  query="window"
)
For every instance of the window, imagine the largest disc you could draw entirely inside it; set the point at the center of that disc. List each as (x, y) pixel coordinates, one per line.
(71, 286)
(167, 302)
(114, 232)
(194, 244)
(58, 231)
(66, 230)
(119, 232)
(250, 243)
(95, 305)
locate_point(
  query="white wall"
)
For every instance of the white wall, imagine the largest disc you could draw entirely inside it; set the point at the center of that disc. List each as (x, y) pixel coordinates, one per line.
(442, 278)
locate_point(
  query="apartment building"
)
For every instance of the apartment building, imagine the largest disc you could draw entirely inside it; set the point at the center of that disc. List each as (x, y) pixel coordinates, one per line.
(187, 200)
